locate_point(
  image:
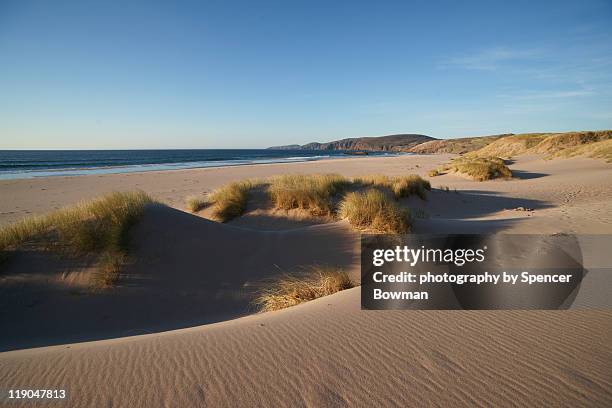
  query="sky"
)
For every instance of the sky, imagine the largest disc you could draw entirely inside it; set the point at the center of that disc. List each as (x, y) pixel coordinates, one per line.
(252, 74)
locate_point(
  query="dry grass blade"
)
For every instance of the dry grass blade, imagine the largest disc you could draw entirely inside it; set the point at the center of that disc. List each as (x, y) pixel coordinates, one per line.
(291, 290)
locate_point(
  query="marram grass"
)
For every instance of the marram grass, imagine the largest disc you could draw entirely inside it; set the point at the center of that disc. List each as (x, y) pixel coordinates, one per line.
(230, 201)
(97, 227)
(481, 168)
(375, 210)
(195, 204)
(291, 290)
(401, 186)
(314, 193)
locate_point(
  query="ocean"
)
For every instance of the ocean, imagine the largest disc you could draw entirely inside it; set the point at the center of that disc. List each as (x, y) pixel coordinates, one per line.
(19, 164)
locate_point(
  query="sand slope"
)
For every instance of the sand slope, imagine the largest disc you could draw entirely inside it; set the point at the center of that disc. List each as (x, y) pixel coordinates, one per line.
(329, 353)
(187, 271)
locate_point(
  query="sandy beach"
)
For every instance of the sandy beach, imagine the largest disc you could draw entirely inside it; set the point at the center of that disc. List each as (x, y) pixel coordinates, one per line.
(144, 343)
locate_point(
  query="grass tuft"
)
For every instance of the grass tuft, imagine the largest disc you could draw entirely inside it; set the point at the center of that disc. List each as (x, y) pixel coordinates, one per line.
(195, 204)
(96, 227)
(230, 201)
(481, 168)
(291, 290)
(401, 186)
(434, 173)
(375, 210)
(308, 192)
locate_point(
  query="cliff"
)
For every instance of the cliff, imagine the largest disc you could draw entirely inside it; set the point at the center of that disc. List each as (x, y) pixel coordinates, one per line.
(401, 142)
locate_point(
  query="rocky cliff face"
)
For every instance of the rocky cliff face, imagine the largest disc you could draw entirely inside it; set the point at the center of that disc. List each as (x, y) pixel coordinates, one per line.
(402, 142)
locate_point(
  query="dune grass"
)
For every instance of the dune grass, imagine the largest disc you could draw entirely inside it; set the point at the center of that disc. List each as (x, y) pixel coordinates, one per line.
(455, 146)
(375, 210)
(434, 173)
(291, 290)
(195, 204)
(97, 227)
(597, 150)
(549, 144)
(401, 186)
(510, 145)
(314, 193)
(481, 168)
(230, 201)
(320, 195)
(554, 143)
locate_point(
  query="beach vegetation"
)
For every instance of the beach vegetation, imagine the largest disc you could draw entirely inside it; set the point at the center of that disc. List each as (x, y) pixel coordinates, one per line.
(230, 201)
(597, 150)
(551, 145)
(376, 211)
(481, 168)
(314, 193)
(293, 289)
(99, 227)
(400, 186)
(197, 203)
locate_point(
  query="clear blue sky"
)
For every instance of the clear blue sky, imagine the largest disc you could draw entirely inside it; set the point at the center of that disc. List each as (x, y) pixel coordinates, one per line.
(197, 74)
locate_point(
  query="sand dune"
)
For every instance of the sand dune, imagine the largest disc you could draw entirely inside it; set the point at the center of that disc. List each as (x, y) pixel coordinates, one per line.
(327, 352)
(187, 271)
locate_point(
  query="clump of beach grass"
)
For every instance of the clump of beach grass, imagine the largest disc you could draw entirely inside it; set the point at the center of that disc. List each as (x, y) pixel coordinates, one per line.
(434, 173)
(195, 204)
(308, 192)
(401, 186)
(290, 290)
(97, 227)
(230, 201)
(375, 210)
(481, 168)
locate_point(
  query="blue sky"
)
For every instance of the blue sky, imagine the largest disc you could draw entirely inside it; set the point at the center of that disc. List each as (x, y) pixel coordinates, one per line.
(227, 74)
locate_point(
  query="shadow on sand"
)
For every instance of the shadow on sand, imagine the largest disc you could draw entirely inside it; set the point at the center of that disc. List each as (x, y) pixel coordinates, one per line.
(187, 271)
(526, 175)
